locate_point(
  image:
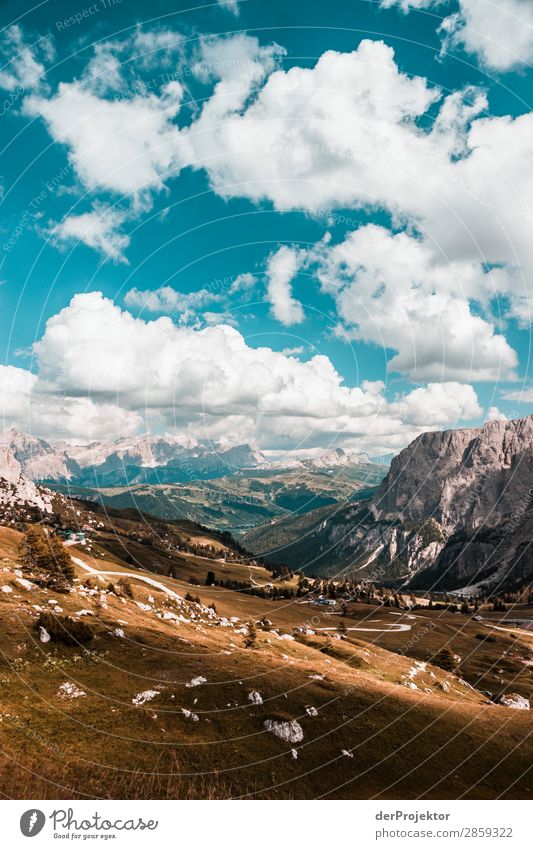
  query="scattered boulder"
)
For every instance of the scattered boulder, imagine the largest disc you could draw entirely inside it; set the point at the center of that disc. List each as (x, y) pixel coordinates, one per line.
(68, 690)
(44, 636)
(290, 732)
(255, 698)
(197, 681)
(145, 696)
(513, 700)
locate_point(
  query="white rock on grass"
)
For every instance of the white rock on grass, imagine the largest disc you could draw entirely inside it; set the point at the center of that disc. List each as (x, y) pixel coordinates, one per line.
(311, 711)
(6, 589)
(290, 732)
(27, 585)
(196, 682)
(44, 636)
(515, 701)
(119, 632)
(68, 690)
(170, 616)
(255, 698)
(294, 753)
(346, 753)
(190, 715)
(145, 696)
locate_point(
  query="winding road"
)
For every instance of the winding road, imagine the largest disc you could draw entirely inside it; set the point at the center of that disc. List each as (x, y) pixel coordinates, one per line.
(388, 627)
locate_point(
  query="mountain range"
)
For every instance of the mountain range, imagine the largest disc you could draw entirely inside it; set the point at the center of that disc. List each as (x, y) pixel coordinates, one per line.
(142, 459)
(454, 511)
(234, 488)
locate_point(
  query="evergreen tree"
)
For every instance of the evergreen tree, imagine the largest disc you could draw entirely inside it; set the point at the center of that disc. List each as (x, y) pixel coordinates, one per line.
(59, 560)
(250, 640)
(445, 658)
(32, 550)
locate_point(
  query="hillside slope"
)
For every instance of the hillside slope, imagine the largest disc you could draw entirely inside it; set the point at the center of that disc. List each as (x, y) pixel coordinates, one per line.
(166, 701)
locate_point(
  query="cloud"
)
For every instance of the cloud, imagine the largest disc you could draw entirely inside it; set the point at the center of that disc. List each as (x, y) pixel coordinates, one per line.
(352, 131)
(212, 383)
(281, 268)
(522, 396)
(35, 407)
(230, 6)
(347, 133)
(117, 65)
(391, 287)
(499, 34)
(98, 229)
(15, 387)
(438, 404)
(189, 305)
(243, 283)
(310, 136)
(22, 63)
(494, 415)
(169, 300)
(124, 146)
(407, 5)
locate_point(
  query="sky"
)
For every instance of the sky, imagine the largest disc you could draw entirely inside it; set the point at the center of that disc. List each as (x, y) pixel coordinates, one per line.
(297, 225)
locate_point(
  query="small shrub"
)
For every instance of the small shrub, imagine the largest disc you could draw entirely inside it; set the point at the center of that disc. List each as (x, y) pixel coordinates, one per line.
(125, 588)
(250, 640)
(64, 629)
(57, 584)
(446, 659)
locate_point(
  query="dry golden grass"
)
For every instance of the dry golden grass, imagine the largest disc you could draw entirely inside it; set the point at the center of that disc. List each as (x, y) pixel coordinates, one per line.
(406, 743)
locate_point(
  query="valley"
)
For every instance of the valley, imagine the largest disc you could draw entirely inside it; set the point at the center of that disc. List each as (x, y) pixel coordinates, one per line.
(323, 654)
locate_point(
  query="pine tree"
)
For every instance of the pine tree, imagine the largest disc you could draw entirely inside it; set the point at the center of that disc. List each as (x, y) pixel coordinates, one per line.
(32, 550)
(250, 641)
(59, 560)
(445, 658)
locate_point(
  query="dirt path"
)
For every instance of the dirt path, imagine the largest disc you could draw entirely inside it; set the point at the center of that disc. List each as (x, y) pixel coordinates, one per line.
(389, 628)
(135, 575)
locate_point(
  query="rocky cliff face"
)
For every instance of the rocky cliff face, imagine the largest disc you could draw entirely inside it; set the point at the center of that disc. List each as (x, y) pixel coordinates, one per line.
(461, 478)
(456, 509)
(18, 494)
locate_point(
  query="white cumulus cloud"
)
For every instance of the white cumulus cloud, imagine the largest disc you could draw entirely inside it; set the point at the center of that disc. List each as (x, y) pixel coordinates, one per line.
(98, 229)
(99, 366)
(399, 292)
(281, 268)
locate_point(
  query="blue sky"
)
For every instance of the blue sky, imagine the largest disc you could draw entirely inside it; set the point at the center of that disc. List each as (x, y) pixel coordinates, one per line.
(309, 222)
